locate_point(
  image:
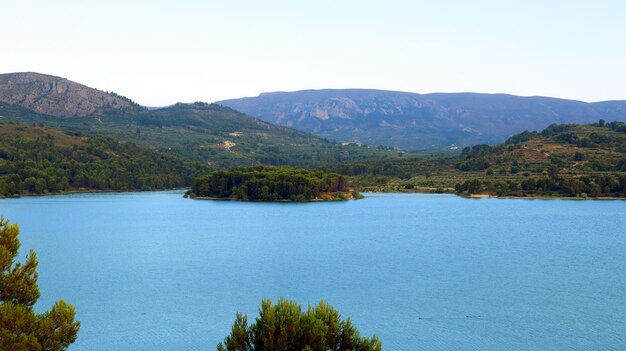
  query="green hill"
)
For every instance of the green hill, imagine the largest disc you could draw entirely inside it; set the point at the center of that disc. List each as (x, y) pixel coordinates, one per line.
(36, 160)
(212, 134)
(563, 160)
(573, 149)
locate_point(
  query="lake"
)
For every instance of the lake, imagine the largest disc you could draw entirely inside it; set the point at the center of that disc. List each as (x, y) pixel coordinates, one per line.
(154, 271)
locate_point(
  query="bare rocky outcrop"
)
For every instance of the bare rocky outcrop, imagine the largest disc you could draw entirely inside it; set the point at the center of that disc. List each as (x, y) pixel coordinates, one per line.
(57, 96)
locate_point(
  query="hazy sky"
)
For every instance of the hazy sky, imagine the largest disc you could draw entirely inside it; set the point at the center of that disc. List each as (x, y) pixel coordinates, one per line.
(159, 52)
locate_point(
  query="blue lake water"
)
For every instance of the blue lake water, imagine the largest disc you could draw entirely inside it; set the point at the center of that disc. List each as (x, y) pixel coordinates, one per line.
(154, 271)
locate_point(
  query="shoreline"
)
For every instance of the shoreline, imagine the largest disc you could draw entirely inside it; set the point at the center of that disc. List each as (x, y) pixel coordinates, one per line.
(469, 196)
(87, 191)
(328, 197)
(281, 201)
(490, 196)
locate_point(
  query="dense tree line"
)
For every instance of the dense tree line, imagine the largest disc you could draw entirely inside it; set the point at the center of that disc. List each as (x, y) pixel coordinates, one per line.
(21, 328)
(58, 162)
(602, 185)
(615, 126)
(269, 183)
(286, 327)
(399, 167)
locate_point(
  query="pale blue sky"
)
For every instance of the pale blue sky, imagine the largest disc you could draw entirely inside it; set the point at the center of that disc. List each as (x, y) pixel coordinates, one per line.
(159, 52)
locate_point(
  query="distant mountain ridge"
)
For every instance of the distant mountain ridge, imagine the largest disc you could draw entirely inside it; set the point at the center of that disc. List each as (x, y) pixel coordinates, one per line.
(59, 97)
(419, 121)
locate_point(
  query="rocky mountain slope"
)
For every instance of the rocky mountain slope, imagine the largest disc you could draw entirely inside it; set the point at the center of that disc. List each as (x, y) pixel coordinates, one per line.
(59, 97)
(419, 121)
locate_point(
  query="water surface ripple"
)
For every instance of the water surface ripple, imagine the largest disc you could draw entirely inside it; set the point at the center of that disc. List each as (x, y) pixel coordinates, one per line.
(154, 271)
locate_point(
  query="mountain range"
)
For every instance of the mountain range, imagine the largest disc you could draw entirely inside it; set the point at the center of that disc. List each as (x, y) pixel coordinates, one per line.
(57, 135)
(213, 134)
(273, 127)
(419, 121)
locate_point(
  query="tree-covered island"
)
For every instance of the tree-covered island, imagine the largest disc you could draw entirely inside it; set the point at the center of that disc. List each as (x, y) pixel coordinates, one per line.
(270, 183)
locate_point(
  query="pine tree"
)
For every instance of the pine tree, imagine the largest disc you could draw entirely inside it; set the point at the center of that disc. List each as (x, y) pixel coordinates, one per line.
(284, 326)
(21, 329)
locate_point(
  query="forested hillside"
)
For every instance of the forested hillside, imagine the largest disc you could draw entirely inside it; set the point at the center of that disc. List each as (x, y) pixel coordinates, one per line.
(208, 133)
(36, 160)
(563, 160)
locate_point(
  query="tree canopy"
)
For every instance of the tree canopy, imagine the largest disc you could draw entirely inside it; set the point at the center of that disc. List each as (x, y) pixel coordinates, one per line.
(35, 160)
(284, 326)
(268, 183)
(21, 328)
